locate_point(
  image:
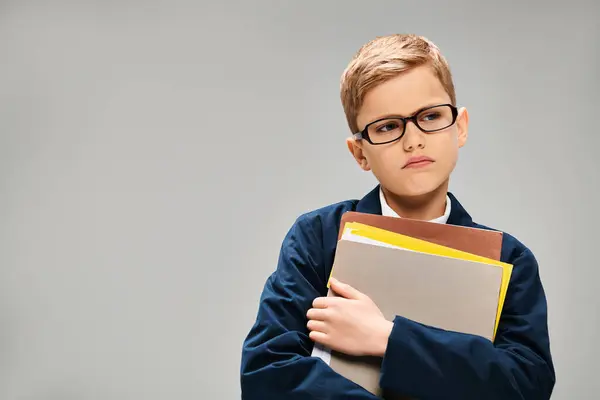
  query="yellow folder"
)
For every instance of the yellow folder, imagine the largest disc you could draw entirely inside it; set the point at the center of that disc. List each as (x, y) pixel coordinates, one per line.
(410, 243)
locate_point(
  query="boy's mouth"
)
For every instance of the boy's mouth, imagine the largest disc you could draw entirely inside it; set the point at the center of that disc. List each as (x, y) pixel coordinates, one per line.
(418, 162)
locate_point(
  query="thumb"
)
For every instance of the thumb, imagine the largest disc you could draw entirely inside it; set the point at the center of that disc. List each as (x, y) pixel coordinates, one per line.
(345, 290)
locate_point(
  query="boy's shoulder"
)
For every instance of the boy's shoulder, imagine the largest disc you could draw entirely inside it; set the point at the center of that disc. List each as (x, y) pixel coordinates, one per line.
(328, 213)
(323, 223)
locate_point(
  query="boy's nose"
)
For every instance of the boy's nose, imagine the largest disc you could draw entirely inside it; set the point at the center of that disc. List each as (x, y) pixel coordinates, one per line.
(413, 138)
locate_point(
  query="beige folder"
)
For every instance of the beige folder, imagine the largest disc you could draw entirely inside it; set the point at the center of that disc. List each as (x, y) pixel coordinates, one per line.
(443, 292)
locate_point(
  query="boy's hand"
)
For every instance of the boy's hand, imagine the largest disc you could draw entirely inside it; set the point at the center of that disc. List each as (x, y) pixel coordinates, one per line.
(351, 324)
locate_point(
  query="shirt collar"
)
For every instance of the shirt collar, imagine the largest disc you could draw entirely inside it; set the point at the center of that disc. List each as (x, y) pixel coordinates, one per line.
(387, 211)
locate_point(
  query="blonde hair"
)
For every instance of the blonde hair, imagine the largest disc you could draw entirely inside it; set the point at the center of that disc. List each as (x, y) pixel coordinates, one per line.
(384, 58)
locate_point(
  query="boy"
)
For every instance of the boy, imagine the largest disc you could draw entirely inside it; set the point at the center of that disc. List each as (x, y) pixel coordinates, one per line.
(399, 101)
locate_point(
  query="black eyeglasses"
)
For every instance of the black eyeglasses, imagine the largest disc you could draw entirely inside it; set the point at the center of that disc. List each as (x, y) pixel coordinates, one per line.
(390, 129)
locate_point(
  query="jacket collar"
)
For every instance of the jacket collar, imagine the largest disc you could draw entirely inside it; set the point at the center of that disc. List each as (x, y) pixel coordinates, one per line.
(370, 204)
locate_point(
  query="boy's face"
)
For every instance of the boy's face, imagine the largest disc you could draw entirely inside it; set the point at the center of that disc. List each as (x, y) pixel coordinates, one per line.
(403, 96)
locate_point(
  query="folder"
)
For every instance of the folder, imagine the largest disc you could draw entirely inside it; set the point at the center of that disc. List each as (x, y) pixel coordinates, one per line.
(382, 236)
(479, 242)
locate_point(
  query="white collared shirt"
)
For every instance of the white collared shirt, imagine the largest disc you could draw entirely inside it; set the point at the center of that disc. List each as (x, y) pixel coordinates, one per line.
(387, 211)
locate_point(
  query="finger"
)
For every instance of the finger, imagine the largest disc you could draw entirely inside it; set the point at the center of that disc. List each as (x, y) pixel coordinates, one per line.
(317, 314)
(319, 337)
(321, 302)
(317, 326)
(326, 302)
(345, 290)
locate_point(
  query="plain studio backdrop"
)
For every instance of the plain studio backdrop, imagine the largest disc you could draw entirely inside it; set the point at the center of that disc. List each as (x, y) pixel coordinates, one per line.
(153, 156)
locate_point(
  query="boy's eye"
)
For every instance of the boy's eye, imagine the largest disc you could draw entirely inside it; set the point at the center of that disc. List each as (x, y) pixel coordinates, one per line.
(388, 126)
(430, 116)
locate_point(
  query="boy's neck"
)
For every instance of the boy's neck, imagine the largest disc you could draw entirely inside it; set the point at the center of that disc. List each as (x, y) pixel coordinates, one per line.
(426, 207)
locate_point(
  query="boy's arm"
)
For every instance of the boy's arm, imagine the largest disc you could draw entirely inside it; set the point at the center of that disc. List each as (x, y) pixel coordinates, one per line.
(276, 362)
(429, 363)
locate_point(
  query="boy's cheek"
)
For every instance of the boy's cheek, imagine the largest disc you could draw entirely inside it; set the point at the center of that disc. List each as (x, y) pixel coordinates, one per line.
(386, 173)
(447, 161)
(387, 162)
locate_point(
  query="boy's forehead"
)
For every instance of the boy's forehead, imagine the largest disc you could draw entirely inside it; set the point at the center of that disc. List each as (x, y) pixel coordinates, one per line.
(403, 95)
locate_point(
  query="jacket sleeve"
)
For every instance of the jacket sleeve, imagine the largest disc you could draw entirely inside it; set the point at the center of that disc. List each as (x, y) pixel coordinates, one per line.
(429, 363)
(276, 361)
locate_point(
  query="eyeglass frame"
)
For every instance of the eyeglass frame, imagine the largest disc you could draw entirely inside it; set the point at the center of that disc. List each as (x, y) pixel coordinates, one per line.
(364, 134)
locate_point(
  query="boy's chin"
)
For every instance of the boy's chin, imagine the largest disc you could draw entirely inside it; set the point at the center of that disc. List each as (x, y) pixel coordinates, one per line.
(416, 193)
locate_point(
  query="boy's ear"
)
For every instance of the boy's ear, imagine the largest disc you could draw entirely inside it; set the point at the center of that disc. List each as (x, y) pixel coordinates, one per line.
(354, 146)
(462, 123)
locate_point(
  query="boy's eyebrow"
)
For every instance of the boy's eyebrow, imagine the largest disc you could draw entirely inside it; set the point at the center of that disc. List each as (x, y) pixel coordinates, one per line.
(427, 105)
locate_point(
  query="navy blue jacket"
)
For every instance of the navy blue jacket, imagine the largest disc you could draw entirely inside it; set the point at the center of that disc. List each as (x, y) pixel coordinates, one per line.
(421, 362)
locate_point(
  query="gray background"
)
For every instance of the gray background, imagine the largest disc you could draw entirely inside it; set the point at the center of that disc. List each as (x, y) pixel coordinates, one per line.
(153, 155)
